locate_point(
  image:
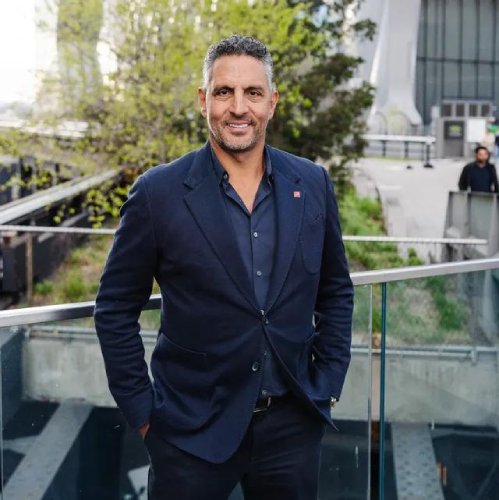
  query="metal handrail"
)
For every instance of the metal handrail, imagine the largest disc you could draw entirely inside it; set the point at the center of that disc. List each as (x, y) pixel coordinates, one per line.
(55, 229)
(415, 272)
(352, 238)
(79, 310)
(41, 199)
(423, 139)
(416, 240)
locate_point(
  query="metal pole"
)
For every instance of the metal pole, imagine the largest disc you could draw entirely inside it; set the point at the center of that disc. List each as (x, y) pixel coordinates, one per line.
(369, 395)
(382, 395)
(427, 148)
(1, 431)
(29, 267)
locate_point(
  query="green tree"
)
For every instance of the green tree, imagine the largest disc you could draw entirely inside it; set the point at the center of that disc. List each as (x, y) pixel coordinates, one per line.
(150, 114)
(147, 113)
(78, 27)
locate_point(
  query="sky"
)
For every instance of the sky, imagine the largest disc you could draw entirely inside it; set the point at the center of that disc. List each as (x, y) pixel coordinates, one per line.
(17, 50)
(27, 50)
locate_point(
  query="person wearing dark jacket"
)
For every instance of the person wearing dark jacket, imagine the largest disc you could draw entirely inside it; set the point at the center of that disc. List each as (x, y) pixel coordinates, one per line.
(480, 175)
(245, 243)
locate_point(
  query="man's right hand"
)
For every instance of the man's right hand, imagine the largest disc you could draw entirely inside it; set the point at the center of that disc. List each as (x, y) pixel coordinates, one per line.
(143, 430)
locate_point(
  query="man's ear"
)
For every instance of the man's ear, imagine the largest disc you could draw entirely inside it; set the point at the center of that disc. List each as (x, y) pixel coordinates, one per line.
(202, 100)
(273, 101)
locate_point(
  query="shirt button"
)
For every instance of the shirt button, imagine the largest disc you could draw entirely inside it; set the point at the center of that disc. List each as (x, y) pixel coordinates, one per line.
(264, 392)
(226, 175)
(255, 366)
(255, 234)
(259, 273)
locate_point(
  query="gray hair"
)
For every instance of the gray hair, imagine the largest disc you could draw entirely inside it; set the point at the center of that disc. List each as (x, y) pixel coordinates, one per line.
(238, 45)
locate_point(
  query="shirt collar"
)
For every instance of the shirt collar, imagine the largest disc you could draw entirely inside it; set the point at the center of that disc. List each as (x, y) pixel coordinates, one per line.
(223, 175)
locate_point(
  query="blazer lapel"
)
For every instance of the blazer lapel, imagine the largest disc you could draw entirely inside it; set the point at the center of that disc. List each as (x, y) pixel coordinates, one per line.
(289, 204)
(208, 209)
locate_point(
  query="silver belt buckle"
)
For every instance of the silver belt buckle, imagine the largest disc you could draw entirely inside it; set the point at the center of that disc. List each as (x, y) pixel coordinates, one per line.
(269, 400)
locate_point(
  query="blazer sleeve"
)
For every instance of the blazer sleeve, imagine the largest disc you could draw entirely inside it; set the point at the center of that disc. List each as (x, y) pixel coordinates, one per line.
(125, 287)
(463, 179)
(334, 304)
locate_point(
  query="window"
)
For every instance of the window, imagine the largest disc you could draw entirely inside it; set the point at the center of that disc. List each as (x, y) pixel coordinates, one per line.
(458, 53)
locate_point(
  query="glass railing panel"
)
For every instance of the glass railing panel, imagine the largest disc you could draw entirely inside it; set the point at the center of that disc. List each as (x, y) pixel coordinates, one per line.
(345, 455)
(345, 471)
(10, 395)
(429, 385)
(62, 436)
(441, 400)
(454, 310)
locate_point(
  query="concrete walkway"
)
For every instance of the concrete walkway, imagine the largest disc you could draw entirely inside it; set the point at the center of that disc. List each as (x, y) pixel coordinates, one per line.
(414, 199)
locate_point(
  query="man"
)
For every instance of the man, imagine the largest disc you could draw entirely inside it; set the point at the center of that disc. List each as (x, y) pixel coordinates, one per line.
(479, 175)
(245, 243)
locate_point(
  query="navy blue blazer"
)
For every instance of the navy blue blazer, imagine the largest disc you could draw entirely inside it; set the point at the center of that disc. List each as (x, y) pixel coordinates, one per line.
(174, 228)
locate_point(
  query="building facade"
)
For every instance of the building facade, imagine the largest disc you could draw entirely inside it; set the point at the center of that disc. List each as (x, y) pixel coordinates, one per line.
(427, 52)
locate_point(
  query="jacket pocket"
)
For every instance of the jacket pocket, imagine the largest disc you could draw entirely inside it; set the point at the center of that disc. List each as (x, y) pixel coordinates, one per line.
(181, 378)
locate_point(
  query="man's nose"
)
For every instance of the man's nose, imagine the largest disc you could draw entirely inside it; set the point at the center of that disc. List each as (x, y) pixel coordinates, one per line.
(239, 104)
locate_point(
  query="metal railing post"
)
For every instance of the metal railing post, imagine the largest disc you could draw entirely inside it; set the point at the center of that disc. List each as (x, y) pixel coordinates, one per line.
(29, 267)
(382, 433)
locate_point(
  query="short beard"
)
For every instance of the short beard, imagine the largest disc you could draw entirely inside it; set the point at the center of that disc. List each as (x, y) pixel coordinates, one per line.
(239, 148)
(236, 148)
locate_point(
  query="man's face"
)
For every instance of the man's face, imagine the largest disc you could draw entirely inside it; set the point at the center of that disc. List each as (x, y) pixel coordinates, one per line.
(482, 156)
(238, 103)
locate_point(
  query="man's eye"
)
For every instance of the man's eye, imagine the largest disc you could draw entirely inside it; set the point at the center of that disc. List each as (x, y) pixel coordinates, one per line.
(222, 92)
(255, 93)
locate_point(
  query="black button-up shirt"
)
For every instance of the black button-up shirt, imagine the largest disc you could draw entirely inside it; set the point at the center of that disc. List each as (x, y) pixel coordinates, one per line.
(256, 237)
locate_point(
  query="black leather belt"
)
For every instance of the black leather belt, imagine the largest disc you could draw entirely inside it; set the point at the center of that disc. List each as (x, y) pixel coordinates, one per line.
(263, 404)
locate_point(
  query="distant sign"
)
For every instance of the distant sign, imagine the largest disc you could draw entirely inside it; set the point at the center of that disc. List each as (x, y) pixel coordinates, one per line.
(476, 129)
(454, 129)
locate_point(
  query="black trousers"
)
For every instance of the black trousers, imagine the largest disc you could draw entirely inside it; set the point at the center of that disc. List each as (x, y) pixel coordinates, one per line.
(278, 458)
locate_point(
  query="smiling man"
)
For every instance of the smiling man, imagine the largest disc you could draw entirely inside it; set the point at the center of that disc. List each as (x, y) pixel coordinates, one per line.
(254, 342)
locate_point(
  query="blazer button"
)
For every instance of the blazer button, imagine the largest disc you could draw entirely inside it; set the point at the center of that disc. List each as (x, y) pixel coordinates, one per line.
(255, 366)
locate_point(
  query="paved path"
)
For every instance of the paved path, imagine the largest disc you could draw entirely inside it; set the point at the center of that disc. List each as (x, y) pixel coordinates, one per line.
(414, 199)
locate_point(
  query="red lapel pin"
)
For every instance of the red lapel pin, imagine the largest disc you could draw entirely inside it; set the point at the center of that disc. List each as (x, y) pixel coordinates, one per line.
(296, 194)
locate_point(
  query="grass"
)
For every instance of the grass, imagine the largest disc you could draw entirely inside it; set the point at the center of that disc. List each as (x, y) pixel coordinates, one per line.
(364, 217)
(77, 279)
(451, 314)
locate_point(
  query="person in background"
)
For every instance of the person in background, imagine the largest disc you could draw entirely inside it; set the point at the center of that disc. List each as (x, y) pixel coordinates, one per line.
(479, 175)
